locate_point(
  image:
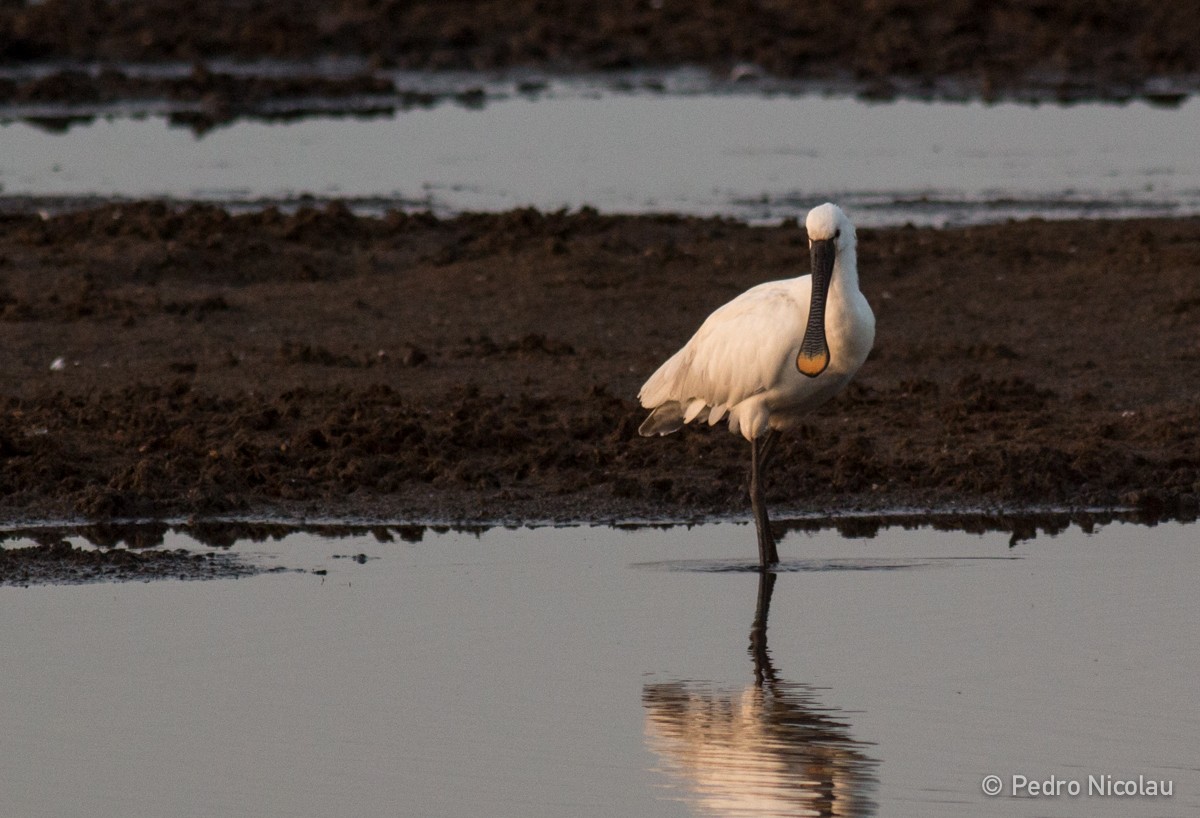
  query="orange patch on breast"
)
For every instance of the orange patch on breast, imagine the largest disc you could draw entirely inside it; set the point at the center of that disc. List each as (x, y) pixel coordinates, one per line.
(812, 365)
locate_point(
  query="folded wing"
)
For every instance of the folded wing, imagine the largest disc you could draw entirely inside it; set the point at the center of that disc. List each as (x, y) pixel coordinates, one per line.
(740, 351)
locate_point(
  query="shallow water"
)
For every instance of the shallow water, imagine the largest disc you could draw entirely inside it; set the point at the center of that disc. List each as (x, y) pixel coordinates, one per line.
(754, 156)
(594, 671)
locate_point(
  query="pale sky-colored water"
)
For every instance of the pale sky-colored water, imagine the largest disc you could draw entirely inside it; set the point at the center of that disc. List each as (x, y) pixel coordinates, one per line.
(590, 671)
(752, 156)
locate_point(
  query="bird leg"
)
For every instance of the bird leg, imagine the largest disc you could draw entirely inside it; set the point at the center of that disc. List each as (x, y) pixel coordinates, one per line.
(767, 452)
(760, 451)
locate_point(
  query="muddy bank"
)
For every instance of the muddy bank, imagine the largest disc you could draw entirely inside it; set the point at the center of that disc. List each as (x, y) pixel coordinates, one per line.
(482, 368)
(132, 551)
(1081, 48)
(202, 99)
(224, 533)
(60, 563)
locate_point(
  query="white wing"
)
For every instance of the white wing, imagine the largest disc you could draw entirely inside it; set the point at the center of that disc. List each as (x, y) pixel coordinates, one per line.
(739, 351)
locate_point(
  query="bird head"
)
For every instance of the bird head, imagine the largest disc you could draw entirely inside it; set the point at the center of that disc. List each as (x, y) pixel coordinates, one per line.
(829, 234)
(827, 222)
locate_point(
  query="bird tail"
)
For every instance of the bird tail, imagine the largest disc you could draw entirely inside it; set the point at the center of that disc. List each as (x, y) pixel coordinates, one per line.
(663, 420)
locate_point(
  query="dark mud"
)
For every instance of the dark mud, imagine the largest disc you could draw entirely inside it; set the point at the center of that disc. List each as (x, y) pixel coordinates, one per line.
(129, 552)
(203, 99)
(60, 563)
(1082, 47)
(162, 362)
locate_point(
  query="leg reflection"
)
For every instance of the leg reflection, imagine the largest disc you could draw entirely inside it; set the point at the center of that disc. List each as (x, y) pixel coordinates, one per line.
(763, 669)
(769, 749)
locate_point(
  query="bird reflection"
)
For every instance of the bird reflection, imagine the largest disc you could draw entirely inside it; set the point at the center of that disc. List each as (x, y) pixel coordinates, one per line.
(767, 750)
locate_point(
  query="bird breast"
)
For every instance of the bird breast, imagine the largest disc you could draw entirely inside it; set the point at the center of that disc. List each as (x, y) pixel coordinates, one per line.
(742, 359)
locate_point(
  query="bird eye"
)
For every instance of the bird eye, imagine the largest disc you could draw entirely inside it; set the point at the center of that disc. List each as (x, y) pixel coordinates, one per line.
(837, 234)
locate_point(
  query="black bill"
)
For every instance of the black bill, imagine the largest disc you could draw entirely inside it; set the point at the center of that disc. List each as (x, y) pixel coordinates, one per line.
(814, 349)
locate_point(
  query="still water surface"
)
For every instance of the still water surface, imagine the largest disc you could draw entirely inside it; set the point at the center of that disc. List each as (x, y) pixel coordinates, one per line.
(592, 671)
(752, 156)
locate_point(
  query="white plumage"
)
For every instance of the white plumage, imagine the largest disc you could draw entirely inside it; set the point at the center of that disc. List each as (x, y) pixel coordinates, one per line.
(741, 361)
(762, 362)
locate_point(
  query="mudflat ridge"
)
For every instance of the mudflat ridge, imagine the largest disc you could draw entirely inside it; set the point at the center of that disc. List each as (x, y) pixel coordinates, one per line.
(161, 360)
(1081, 44)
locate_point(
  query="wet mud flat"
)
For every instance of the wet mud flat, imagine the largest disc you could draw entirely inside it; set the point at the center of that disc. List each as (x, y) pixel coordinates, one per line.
(140, 551)
(166, 360)
(1078, 48)
(201, 98)
(56, 561)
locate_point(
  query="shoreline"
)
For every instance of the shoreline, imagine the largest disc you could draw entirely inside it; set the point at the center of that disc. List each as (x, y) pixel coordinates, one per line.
(202, 97)
(135, 550)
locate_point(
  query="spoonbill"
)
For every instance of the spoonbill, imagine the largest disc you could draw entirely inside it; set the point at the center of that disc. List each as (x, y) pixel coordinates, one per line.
(775, 352)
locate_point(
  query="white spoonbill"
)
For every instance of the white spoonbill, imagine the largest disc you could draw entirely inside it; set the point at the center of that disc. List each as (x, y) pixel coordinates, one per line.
(770, 355)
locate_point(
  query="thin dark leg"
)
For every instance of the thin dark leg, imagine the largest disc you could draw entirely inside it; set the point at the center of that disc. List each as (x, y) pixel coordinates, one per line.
(768, 554)
(767, 452)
